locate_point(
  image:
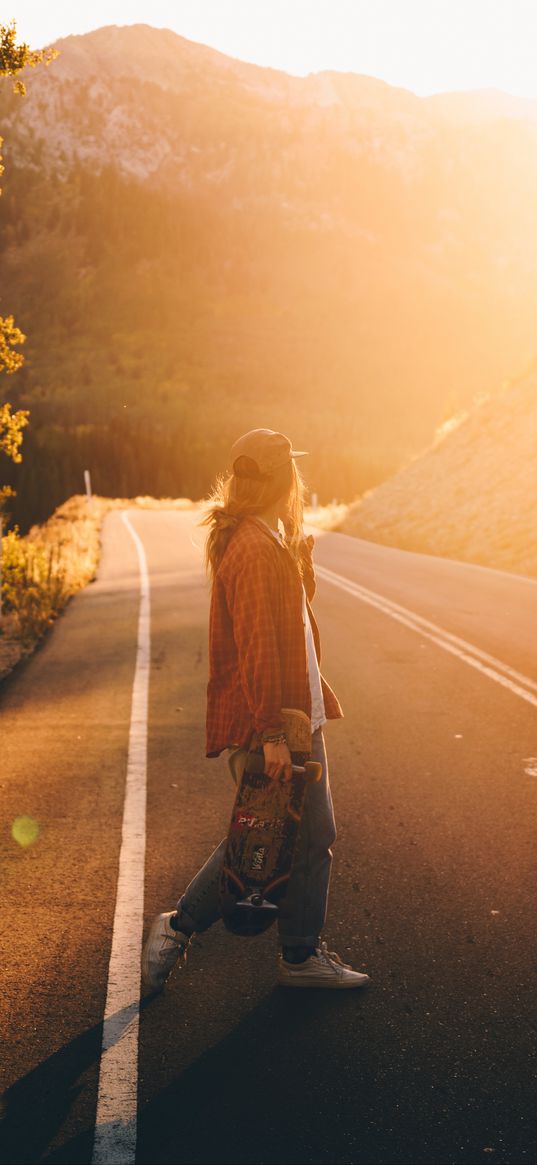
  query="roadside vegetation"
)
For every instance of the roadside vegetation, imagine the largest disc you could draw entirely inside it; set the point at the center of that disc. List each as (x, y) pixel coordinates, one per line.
(41, 571)
(14, 58)
(34, 579)
(329, 517)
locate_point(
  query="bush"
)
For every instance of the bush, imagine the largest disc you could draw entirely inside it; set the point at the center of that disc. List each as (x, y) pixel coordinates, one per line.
(34, 585)
(41, 571)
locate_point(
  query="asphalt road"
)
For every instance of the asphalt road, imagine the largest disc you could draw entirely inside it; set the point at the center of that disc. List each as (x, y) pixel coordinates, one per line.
(434, 775)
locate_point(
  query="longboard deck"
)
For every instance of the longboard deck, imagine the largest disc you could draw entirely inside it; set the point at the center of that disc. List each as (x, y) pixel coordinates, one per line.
(263, 833)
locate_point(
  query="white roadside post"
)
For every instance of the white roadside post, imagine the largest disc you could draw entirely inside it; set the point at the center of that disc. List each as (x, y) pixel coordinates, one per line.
(87, 483)
(314, 502)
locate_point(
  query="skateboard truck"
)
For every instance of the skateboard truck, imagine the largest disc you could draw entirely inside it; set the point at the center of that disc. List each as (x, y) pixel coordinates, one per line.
(312, 770)
(255, 901)
(251, 915)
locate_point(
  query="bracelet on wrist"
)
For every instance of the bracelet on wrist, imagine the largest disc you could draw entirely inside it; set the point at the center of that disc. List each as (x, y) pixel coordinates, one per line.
(275, 738)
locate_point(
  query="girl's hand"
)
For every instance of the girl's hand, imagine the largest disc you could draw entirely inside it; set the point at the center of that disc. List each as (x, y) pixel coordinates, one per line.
(278, 761)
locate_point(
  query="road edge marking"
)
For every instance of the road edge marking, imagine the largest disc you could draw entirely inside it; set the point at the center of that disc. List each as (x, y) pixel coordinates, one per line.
(117, 1099)
(488, 665)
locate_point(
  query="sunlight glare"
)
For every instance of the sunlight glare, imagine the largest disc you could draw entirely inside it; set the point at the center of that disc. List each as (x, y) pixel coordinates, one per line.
(25, 831)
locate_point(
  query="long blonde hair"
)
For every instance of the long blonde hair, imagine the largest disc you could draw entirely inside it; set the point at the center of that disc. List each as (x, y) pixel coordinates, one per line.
(234, 498)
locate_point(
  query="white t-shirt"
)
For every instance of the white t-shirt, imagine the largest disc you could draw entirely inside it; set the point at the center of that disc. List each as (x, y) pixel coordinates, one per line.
(318, 713)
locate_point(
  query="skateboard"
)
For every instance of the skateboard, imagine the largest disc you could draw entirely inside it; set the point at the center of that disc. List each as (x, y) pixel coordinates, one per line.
(263, 832)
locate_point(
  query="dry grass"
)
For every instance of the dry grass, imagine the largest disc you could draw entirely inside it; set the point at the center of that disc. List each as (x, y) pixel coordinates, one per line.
(149, 503)
(329, 517)
(43, 570)
(472, 495)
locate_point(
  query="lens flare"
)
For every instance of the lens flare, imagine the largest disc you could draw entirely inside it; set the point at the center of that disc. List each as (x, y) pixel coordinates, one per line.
(25, 830)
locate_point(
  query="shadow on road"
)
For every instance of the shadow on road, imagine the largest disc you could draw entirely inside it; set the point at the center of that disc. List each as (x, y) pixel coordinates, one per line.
(37, 1106)
(303, 1078)
(250, 1098)
(257, 1096)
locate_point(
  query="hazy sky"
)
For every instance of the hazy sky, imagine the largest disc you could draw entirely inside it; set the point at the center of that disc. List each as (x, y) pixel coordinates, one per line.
(423, 45)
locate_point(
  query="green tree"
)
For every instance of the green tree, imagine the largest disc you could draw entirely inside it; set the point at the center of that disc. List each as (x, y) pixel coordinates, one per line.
(13, 59)
(11, 423)
(16, 57)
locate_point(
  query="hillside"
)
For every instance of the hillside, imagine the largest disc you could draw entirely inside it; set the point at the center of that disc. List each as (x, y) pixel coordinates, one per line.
(195, 246)
(472, 495)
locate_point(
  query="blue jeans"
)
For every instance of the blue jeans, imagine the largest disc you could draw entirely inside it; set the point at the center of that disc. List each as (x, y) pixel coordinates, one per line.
(303, 911)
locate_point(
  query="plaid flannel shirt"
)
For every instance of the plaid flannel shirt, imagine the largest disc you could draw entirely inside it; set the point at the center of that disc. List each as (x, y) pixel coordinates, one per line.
(257, 650)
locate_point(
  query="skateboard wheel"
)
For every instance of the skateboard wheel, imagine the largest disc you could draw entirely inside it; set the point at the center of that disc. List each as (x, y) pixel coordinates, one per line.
(256, 899)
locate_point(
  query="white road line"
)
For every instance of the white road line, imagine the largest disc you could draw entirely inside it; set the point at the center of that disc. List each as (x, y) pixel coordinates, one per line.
(488, 665)
(115, 1126)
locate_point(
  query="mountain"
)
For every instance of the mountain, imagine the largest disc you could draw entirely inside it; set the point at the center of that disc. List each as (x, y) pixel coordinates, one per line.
(196, 246)
(473, 494)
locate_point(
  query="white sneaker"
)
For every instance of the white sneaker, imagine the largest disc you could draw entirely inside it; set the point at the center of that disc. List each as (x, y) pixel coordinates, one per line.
(163, 947)
(323, 969)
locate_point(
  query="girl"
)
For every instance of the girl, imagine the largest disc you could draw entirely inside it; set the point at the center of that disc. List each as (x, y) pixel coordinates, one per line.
(264, 655)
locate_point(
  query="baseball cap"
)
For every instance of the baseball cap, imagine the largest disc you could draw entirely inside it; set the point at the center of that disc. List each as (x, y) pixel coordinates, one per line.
(267, 449)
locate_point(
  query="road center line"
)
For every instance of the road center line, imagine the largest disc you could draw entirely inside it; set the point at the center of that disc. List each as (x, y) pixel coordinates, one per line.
(115, 1126)
(488, 665)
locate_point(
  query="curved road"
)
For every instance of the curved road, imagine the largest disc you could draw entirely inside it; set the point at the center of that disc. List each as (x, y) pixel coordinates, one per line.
(434, 774)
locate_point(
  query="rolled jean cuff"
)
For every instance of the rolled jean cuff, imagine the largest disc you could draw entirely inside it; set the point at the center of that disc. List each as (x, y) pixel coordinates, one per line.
(293, 940)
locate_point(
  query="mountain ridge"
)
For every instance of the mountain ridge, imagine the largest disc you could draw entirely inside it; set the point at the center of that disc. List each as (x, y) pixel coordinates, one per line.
(499, 98)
